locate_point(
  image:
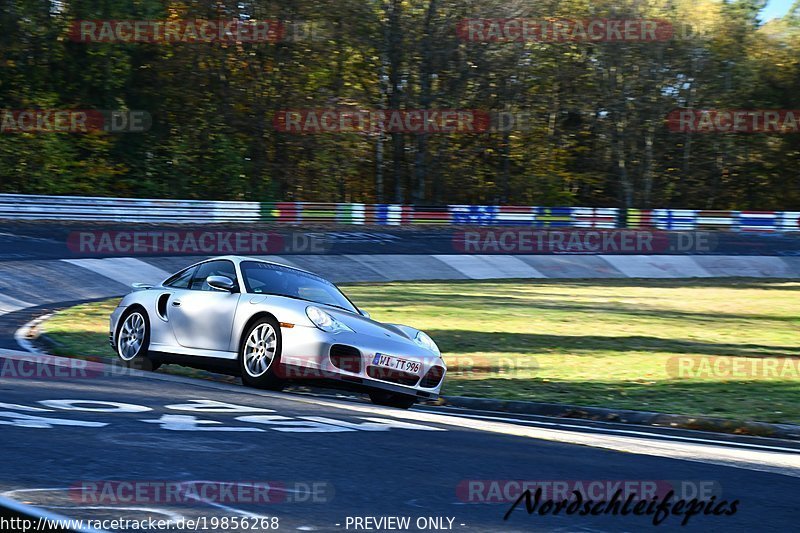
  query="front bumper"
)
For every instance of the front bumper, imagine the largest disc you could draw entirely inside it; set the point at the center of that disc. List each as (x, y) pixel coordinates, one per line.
(307, 354)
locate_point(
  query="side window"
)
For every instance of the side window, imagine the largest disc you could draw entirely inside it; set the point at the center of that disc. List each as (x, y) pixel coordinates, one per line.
(182, 279)
(212, 268)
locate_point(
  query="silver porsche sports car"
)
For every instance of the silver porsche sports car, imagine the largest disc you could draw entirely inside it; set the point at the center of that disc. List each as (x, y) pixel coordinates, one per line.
(272, 324)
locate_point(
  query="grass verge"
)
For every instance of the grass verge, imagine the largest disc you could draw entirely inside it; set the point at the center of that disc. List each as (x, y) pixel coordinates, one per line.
(609, 343)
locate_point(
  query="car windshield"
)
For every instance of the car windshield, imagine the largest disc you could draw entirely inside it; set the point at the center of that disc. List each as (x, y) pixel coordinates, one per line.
(268, 278)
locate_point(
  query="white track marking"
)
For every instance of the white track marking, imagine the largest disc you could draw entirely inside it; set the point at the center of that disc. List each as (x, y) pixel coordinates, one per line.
(489, 267)
(629, 432)
(24, 334)
(226, 507)
(10, 494)
(9, 304)
(508, 266)
(214, 406)
(17, 407)
(41, 514)
(712, 453)
(125, 270)
(173, 517)
(657, 266)
(40, 422)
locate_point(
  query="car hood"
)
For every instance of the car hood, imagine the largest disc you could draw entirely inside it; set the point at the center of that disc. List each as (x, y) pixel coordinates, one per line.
(294, 310)
(366, 326)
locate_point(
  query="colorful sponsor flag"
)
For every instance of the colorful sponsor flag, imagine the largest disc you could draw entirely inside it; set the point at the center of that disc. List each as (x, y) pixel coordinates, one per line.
(676, 219)
(723, 220)
(553, 217)
(757, 220)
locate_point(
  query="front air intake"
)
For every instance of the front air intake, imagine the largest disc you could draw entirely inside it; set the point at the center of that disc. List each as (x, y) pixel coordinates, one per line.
(346, 358)
(432, 378)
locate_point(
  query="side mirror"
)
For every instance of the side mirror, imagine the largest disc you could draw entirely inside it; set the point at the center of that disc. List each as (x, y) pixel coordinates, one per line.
(364, 313)
(221, 283)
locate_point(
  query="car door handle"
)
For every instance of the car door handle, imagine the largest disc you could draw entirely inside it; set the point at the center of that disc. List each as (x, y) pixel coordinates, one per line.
(176, 303)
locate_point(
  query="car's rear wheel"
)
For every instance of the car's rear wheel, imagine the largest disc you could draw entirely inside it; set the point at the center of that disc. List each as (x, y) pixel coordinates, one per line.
(392, 399)
(260, 355)
(133, 340)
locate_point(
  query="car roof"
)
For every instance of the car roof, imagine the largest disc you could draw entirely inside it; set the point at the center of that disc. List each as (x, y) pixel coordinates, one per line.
(239, 258)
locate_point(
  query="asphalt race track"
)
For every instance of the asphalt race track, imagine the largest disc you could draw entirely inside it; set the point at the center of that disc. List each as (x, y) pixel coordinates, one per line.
(321, 463)
(326, 460)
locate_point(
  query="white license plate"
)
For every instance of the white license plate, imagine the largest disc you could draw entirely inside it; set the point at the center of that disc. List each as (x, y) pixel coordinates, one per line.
(397, 363)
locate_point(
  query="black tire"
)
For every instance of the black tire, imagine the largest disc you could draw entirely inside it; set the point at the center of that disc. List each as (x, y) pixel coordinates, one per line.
(252, 376)
(392, 399)
(125, 347)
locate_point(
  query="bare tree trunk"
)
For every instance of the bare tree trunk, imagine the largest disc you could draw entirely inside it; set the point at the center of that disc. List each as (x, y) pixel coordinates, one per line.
(383, 88)
(686, 164)
(379, 168)
(648, 164)
(506, 151)
(395, 54)
(426, 73)
(626, 187)
(336, 90)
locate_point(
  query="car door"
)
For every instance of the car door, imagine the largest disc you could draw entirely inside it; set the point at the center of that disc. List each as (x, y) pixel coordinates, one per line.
(202, 317)
(161, 335)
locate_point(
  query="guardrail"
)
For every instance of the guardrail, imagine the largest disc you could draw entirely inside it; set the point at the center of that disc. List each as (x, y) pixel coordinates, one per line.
(85, 208)
(29, 207)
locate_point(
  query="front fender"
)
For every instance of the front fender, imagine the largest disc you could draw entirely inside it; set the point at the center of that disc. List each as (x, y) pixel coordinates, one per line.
(286, 312)
(144, 297)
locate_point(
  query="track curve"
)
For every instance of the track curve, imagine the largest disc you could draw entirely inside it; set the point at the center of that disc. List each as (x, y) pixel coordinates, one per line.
(366, 461)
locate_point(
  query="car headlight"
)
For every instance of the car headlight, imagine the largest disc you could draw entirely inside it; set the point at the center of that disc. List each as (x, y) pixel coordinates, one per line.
(324, 321)
(426, 342)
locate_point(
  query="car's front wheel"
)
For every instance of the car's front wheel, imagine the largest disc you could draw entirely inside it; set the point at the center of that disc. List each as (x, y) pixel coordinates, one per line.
(392, 399)
(133, 340)
(260, 355)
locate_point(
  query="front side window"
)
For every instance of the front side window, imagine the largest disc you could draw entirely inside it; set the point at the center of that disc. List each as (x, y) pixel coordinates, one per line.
(266, 278)
(212, 268)
(182, 279)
